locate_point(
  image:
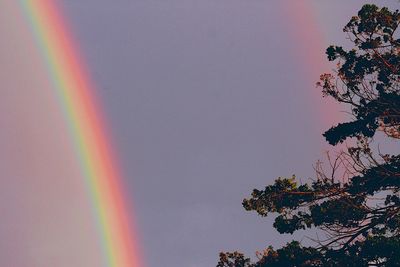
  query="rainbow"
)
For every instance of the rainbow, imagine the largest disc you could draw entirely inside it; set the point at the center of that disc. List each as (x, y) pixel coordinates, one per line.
(76, 96)
(307, 35)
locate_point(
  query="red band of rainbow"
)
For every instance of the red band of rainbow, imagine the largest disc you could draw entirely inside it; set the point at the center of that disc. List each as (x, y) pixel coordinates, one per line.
(76, 95)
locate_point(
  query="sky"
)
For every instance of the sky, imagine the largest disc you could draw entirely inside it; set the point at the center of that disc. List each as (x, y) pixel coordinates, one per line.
(205, 100)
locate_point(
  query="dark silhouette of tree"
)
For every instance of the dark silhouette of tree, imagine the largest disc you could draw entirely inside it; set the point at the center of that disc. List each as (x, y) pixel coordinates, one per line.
(355, 204)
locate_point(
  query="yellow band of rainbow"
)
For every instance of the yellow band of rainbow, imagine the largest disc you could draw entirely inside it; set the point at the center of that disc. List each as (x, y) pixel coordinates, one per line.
(76, 95)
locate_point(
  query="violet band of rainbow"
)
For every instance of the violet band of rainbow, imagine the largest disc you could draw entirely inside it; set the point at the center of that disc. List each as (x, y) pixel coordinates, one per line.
(76, 95)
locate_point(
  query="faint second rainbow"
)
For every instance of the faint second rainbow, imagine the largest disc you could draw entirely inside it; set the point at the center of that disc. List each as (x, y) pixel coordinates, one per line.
(308, 40)
(76, 96)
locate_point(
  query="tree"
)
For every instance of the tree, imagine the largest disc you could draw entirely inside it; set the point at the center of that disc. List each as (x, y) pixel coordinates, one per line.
(355, 204)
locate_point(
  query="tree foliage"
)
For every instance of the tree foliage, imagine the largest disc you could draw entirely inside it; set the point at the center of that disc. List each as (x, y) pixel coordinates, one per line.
(356, 204)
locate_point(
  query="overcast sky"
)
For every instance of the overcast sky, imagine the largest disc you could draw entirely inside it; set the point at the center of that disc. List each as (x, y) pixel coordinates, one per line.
(207, 99)
(207, 102)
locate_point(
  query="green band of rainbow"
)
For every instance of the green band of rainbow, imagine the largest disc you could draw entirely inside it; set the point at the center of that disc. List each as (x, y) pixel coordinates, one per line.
(76, 96)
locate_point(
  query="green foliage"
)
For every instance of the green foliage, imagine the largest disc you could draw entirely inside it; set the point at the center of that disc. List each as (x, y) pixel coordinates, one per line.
(368, 75)
(358, 211)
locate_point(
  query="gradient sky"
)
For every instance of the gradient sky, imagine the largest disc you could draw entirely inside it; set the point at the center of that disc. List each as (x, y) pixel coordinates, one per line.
(207, 100)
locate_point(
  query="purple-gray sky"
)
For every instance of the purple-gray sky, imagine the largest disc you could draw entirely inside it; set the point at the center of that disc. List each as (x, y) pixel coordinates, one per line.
(205, 104)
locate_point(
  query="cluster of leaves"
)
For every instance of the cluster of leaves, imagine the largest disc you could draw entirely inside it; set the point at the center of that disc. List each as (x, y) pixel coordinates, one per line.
(374, 251)
(367, 77)
(359, 212)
